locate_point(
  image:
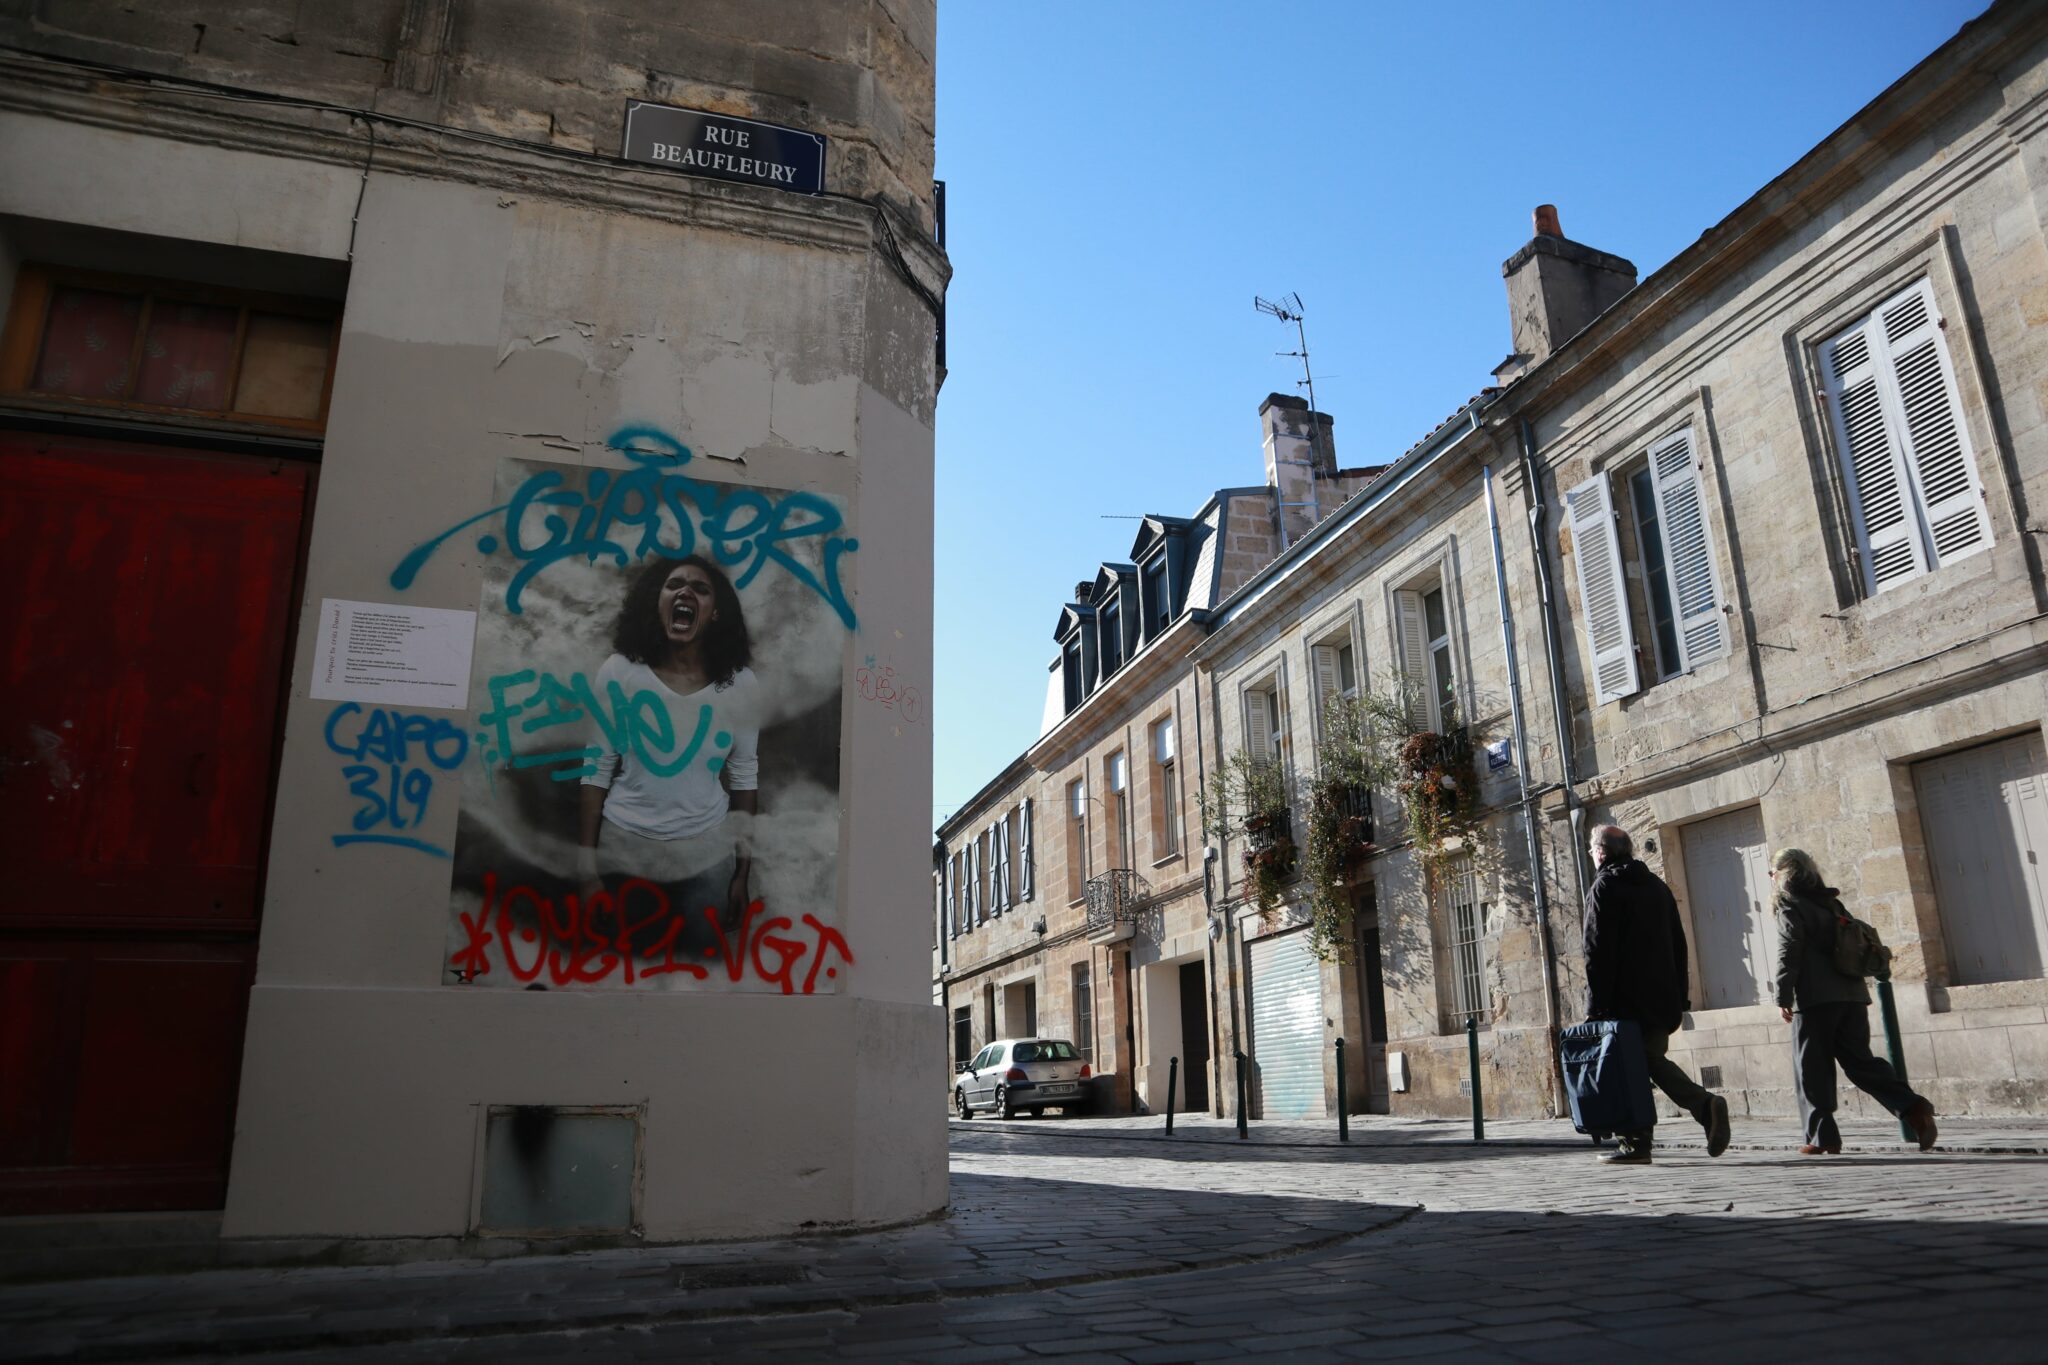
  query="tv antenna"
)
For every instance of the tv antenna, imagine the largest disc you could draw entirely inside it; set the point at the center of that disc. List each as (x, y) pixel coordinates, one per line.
(1289, 309)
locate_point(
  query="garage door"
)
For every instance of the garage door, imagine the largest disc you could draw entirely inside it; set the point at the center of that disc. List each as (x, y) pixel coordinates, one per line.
(1734, 926)
(1287, 1027)
(1985, 814)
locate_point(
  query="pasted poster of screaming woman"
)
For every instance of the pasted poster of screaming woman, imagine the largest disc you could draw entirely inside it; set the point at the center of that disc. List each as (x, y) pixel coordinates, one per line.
(654, 798)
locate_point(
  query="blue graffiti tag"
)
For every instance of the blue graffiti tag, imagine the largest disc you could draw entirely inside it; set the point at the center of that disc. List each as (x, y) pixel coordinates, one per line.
(639, 725)
(395, 786)
(623, 515)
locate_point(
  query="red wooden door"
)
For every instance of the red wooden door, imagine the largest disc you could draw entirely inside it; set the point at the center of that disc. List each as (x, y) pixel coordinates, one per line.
(150, 609)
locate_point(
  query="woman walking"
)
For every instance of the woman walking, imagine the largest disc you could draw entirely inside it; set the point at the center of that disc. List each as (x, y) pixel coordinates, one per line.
(1829, 1011)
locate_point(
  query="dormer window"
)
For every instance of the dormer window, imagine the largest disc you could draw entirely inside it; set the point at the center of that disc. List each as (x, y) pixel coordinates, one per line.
(1070, 672)
(1109, 621)
(1157, 596)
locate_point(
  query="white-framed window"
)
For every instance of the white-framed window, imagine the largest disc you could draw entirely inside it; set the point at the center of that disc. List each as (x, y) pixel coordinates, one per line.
(1166, 789)
(1116, 771)
(1463, 915)
(1262, 721)
(1077, 838)
(1117, 778)
(1916, 500)
(1667, 558)
(1422, 620)
(1336, 670)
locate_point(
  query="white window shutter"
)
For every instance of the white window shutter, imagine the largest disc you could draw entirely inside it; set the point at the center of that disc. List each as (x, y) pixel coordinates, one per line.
(1024, 843)
(950, 874)
(1937, 444)
(1603, 598)
(1258, 726)
(1414, 640)
(1327, 684)
(1886, 539)
(977, 908)
(1688, 553)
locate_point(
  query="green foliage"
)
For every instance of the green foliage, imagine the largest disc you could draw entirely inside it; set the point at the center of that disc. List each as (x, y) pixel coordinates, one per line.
(1354, 756)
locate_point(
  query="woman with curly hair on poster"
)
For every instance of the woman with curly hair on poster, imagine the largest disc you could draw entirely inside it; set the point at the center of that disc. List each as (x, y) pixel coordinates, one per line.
(679, 815)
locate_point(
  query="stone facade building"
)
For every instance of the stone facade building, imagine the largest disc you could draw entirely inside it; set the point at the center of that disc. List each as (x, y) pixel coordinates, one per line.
(1738, 556)
(350, 378)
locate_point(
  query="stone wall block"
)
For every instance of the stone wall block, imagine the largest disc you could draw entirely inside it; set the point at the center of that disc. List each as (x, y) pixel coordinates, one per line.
(1978, 1054)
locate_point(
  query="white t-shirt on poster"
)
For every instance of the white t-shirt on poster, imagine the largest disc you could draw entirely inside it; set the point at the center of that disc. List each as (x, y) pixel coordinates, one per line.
(691, 801)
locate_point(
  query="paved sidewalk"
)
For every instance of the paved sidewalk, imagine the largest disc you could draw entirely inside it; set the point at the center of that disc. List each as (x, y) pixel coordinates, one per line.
(2022, 1136)
(1105, 1240)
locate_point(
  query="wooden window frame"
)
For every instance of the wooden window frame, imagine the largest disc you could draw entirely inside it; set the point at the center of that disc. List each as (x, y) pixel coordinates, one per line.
(28, 319)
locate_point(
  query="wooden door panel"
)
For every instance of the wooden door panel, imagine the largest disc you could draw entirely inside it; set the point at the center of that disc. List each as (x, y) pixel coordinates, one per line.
(143, 662)
(144, 668)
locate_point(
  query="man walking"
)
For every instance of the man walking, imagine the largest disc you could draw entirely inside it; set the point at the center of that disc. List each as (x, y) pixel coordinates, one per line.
(1635, 969)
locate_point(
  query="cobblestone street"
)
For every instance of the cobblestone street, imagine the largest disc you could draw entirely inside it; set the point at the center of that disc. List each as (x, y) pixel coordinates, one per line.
(1103, 1239)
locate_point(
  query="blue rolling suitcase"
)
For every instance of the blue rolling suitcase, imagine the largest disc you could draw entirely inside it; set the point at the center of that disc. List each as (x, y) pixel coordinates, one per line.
(1607, 1078)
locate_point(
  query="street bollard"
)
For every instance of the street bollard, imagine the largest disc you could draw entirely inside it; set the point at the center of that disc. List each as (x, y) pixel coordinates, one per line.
(1241, 1129)
(1472, 1052)
(1894, 1044)
(1172, 1078)
(1343, 1111)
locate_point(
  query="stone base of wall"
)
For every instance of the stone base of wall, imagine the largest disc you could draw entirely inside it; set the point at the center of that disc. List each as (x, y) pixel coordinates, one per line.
(1514, 1080)
(1969, 1049)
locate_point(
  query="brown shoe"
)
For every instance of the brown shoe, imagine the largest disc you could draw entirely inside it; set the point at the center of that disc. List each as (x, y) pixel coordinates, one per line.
(1812, 1149)
(1920, 1118)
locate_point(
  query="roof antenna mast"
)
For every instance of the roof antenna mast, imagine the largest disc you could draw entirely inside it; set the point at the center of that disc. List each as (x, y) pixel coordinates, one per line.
(1289, 309)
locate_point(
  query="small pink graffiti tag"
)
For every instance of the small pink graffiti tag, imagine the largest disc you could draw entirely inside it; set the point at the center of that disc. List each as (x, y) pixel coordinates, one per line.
(878, 684)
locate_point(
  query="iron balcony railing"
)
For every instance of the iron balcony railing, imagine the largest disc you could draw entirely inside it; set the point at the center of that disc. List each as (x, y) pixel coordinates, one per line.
(1114, 898)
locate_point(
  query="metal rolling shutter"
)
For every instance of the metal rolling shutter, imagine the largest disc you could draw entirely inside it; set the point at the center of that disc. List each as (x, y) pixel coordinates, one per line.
(1287, 1026)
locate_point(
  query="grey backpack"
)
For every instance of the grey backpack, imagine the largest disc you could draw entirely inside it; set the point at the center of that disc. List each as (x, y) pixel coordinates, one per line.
(1859, 952)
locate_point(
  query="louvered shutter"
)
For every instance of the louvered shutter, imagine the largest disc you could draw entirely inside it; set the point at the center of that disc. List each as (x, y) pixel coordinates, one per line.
(1603, 600)
(977, 909)
(1886, 538)
(951, 875)
(1937, 445)
(1258, 726)
(1327, 684)
(1414, 642)
(1025, 887)
(1688, 555)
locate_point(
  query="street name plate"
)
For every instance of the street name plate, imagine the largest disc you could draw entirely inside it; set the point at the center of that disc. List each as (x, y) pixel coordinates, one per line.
(721, 147)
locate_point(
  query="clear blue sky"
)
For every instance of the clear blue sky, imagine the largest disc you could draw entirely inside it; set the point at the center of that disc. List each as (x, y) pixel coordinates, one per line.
(1122, 178)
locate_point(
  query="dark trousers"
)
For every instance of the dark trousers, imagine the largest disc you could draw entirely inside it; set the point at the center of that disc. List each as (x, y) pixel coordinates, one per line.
(1685, 1092)
(1823, 1035)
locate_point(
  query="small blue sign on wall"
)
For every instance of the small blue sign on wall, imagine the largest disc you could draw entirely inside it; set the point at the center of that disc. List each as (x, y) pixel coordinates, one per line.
(722, 147)
(1496, 756)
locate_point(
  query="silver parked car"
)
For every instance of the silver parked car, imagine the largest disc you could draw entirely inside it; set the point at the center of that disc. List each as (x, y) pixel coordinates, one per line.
(1022, 1073)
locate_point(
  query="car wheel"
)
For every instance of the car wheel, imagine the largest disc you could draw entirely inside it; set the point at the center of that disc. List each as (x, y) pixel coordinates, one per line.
(1004, 1109)
(960, 1104)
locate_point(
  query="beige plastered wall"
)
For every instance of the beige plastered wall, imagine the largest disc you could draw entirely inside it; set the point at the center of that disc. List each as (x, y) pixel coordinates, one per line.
(482, 324)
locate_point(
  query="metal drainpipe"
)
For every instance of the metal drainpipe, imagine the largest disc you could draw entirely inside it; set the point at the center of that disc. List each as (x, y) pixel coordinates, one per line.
(1554, 656)
(1538, 892)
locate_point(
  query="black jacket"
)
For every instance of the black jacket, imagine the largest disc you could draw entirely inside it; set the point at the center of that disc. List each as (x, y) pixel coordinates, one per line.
(1807, 975)
(1635, 949)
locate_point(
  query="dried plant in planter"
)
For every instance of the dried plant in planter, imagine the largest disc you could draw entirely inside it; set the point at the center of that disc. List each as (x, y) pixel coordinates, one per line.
(1440, 795)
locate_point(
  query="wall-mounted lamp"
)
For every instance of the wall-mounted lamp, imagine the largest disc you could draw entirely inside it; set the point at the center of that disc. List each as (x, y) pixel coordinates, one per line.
(1039, 928)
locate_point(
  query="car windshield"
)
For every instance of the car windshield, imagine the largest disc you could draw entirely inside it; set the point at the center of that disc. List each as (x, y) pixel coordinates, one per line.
(1045, 1052)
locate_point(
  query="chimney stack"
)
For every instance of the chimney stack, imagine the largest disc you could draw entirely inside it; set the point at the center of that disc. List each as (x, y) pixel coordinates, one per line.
(1301, 463)
(1555, 288)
